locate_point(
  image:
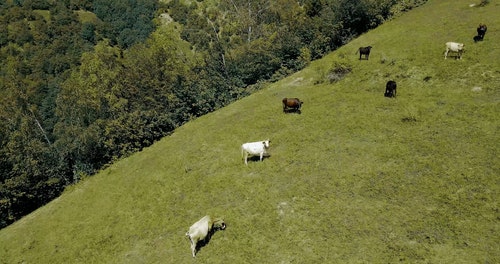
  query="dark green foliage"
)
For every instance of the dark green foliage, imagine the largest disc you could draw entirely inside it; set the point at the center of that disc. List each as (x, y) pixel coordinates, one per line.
(88, 33)
(35, 54)
(180, 12)
(36, 4)
(313, 7)
(125, 21)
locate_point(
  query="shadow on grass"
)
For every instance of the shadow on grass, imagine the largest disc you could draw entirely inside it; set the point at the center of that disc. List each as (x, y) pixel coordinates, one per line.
(257, 158)
(290, 111)
(204, 242)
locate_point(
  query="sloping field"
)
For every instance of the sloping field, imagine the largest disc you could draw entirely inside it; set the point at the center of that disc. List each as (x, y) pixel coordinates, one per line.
(355, 178)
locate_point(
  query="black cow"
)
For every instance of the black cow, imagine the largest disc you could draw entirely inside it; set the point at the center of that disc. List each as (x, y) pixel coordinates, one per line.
(481, 30)
(364, 51)
(390, 89)
(292, 105)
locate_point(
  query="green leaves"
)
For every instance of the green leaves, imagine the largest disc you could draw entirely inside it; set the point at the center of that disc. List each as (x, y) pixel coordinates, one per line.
(126, 21)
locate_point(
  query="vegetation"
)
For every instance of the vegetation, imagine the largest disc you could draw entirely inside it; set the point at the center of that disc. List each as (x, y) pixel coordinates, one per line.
(355, 178)
(84, 83)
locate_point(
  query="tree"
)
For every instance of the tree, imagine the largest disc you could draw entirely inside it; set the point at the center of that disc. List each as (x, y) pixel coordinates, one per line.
(126, 22)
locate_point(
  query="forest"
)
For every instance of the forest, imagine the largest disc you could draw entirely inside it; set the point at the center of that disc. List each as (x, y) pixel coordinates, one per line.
(84, 83)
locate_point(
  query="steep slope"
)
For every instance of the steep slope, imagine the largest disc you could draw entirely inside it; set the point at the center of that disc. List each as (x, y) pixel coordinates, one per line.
(355, 178)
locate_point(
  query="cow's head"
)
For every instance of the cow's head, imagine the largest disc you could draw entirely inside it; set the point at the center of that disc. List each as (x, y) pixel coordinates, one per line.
(266, 143)
(219, 224)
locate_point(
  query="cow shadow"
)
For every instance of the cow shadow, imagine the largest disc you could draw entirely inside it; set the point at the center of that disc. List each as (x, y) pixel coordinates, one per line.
(478, 38)
(296, 111)
(257, 158)
(204, 242)
(454, 56)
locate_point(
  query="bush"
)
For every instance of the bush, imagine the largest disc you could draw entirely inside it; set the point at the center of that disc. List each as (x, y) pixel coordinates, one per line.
(338, 71)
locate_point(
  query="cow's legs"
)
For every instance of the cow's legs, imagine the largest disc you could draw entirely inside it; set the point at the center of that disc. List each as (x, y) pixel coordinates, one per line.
(246, 158)
(193, 246)
(193, 249)
(261, 155)
(445, 54)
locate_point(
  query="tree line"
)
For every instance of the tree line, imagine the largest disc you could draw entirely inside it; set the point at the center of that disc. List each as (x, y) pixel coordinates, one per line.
(86, 82)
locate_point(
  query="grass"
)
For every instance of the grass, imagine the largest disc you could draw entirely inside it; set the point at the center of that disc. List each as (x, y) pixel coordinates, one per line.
(355, 178)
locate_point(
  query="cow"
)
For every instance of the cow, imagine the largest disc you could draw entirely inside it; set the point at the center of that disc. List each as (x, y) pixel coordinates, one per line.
(258, 148)
(455, 47)
(202, 231)
(390, 89)
(292, 104)
(481, 30)
(364, 51)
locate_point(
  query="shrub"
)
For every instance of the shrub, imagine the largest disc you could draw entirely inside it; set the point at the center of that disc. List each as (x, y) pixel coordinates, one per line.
(338, 71)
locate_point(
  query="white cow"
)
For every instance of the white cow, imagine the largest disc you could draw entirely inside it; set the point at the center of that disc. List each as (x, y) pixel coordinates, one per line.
(258, 148)
(455, 47)
(203, 230)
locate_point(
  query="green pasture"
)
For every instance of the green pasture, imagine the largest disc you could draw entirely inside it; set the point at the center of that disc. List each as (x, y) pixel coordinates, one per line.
(355, 178)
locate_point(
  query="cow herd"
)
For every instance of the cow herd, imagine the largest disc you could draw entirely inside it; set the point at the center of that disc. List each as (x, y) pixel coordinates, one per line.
(459, 48)
(201, 231)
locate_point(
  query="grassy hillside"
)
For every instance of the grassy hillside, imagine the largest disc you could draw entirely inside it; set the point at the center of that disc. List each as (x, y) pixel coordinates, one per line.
(355, 178)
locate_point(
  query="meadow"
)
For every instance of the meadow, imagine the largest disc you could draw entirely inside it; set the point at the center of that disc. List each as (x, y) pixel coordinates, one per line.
(355, 178)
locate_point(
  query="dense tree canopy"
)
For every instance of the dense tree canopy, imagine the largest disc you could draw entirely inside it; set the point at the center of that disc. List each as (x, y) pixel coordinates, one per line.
(86, 82)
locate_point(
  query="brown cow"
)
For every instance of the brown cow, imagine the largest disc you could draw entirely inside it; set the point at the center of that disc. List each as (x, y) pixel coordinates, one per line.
(292, 105)
(364, 51)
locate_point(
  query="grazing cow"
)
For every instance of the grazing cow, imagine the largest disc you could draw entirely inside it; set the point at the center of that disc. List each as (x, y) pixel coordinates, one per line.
(292, 104)
(203, 231)
(481, 30)
(258, 148)
(364, 51)
(390, 89)
(455, 47)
